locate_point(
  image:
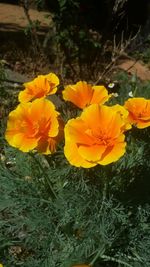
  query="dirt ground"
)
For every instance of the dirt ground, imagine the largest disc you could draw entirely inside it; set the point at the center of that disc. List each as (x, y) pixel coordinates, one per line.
(12, 17)
(16, 48)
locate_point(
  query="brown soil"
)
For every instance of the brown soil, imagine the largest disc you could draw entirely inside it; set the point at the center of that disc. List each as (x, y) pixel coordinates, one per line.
(135, 67)
(17, 49)
(16, 46)
(12, 18)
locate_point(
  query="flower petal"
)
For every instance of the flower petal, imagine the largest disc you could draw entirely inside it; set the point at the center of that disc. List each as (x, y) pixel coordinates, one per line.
(79, 94)
(76, 129)
(112, 154)
(91, 153)
(71, 153)
(100, 95)
(53, 82)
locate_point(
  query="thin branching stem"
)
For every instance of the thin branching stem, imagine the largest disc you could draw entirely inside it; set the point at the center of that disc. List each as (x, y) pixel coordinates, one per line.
(52, 192)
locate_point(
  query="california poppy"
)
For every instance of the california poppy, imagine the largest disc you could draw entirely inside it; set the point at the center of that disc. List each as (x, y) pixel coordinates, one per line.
(139, 111)
(34, 125)
(41, 86)
(83, 94)
(96, 137)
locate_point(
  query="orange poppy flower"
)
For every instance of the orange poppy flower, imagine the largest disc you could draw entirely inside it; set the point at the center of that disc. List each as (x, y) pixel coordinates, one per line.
(41, 86)
(34, 126)
(139, 111)
(82, 94)
(96, 137)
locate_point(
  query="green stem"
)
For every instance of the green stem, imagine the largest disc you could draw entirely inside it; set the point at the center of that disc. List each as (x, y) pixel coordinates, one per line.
(135, 90)
(108, 258)
(99, 254)
(116, 260)
(52, 192)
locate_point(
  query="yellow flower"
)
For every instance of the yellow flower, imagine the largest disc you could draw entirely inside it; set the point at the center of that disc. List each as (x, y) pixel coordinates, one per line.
(1, 265)
(82, 94)
(41, 86)
(139, 111)
(96, 137)
(34, 126)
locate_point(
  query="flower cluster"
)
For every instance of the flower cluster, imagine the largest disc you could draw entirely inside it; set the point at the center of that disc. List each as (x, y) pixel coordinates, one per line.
(96, 136)
(36, 125)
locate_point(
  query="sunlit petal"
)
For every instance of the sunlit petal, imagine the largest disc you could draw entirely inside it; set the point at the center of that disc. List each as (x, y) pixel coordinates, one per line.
(83, 94)
(73, 156)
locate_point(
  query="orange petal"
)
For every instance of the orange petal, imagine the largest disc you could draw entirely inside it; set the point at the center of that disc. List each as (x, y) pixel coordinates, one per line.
(28, 144)
(142, 124)
(102, 117)
(79, 94)
(75, 130)
(21, 141)
(42, 107)
(74, 158)
(14, 140)
(24, 96)
(37, 88)
(100, 95)
(91, 153)
(53, 82)
(112, 154)
(43, 111)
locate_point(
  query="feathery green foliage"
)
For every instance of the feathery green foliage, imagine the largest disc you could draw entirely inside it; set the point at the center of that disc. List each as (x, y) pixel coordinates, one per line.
(56, 215)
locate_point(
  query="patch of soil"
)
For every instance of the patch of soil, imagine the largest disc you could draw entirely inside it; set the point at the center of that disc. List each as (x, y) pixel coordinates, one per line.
(16, 47)
(18, 51)
(13, 18)
(135, 67)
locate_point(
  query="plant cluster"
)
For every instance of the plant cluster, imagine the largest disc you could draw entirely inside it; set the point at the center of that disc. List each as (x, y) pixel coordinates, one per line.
(88, 205)
(96, 136)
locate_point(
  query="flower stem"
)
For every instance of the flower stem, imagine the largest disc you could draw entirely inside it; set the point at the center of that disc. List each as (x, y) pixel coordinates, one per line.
(99, 254)
(52, 192)
(116, 260)
(108, 258)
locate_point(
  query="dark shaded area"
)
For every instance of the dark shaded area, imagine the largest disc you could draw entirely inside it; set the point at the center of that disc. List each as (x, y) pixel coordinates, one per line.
(102, 15)
(14, 2)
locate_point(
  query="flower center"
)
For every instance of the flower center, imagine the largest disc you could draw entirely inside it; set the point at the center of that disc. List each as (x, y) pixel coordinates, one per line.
(101, 137)
(44, 126)
(30, 129)
(38, 128)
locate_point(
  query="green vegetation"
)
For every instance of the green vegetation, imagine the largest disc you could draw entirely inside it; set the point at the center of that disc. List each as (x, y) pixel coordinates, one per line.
(100, 213)
(51, 213)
